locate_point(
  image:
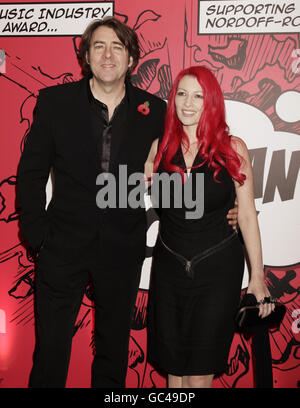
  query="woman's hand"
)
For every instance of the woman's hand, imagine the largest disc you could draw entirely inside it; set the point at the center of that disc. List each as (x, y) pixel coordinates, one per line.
(258, 288)
(232, 216)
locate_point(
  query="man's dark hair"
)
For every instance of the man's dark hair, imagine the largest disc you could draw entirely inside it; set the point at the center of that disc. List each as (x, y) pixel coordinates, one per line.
(125, 34)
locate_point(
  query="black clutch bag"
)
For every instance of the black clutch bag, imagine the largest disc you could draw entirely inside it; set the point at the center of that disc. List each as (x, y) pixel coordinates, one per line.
(247, 316)
(252, 325)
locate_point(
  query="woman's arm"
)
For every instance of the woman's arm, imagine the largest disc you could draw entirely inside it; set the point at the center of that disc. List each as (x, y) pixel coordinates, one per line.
(247, 219)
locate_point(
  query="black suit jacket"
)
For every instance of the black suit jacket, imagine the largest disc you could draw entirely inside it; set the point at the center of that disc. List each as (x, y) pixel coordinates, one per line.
(61, 138)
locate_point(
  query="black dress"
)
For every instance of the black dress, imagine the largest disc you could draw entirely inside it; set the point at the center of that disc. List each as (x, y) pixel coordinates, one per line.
(191, 307)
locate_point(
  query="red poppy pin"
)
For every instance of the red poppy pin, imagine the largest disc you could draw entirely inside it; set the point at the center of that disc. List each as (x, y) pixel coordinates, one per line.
(144, 108)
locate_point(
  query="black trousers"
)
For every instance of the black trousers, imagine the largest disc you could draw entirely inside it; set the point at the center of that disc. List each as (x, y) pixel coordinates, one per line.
(60, 287)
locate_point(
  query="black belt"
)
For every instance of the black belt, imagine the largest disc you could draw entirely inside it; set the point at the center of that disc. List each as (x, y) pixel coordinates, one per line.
(189, 264)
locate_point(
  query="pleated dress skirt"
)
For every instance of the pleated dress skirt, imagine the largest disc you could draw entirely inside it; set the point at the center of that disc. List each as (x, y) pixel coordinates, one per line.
(191, 319)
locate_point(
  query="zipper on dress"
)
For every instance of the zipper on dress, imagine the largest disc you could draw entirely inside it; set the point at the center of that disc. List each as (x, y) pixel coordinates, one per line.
(186, 263)
(188, 266)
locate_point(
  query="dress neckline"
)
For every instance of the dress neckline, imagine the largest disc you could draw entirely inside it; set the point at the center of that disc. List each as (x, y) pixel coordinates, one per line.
(186, 168)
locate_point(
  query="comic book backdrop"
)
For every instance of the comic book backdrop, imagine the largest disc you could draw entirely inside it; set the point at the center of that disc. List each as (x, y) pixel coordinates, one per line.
(254, 51)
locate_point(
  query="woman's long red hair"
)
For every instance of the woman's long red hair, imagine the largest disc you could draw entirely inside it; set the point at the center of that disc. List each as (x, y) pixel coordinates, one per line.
(212, 130)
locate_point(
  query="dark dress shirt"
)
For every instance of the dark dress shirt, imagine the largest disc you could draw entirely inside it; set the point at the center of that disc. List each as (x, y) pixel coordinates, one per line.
(104, 129)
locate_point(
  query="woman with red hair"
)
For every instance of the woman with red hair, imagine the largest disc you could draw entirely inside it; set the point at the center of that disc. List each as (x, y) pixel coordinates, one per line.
(198, 263)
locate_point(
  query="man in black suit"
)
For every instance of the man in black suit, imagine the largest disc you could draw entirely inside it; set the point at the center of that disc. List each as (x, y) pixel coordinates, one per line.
(80, 130)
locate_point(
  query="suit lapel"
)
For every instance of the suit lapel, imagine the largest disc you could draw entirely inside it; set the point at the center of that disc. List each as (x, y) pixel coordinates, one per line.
(132, 126)
(124, 131)
(82, 119)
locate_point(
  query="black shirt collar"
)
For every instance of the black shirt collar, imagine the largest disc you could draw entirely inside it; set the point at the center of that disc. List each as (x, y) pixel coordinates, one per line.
(92, 99)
